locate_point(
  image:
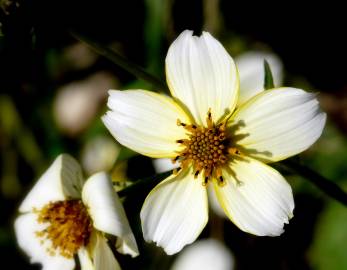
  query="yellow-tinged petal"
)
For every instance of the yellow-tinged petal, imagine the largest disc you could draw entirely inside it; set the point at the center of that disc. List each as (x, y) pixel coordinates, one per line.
(255, 197)
(107, 212)
(103, 255)
(175, 212)
(145, 122)
(63, 180)
(202, 75)
(278, 123)
(85, 258)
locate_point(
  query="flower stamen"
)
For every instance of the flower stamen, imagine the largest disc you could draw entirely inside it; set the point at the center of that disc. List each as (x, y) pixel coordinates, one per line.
(69, 226)
(207, 149)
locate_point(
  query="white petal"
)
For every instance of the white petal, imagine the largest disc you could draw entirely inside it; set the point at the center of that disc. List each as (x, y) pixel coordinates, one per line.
(85, 259)
(164, 164)
(26, 227)
(145, 122)
(256, 197)
(62, 180)
(279, 123)
(213, 202)
(202, 75)
(103, 256)
(175, 212)
(107, 211)
(251, 70)
(206, 254)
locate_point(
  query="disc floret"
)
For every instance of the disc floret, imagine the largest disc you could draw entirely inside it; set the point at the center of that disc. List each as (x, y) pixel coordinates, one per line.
(69, 226)
(206, 149)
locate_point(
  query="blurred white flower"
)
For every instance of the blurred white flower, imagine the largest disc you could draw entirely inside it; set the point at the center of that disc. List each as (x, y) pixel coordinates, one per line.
(99, 154)
(207, 254)
(79, 56)
(77, 103)
(64, 216)
(164, 165)
(251, 71)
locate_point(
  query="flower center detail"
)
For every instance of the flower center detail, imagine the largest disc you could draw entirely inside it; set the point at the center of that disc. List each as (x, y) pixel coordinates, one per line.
(208, 149)
(69, 226)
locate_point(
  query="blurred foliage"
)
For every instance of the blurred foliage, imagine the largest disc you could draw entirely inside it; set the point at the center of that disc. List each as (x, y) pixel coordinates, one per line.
(328, 249)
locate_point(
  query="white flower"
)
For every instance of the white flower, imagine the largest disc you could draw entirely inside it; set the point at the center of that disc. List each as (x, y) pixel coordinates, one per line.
(250, 67)
(206, 254)
(214, 143)
(63, 216)
(77, 103)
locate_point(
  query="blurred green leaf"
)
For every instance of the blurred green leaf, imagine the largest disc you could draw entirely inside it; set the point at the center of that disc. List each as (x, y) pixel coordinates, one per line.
(121, 61)
(15, 131)
(125, 153)
(268, 78)
(328, 250)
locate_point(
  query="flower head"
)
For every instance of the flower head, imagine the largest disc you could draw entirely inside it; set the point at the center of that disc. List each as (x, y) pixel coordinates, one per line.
(218, 141)
(64, 216)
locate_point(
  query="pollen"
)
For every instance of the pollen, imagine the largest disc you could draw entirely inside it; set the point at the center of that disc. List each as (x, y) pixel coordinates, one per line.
(69, 227)
(207, 149)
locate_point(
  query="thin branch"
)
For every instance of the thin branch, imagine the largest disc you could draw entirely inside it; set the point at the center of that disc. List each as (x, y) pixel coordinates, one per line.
(143, 183)
(121, 61)
(324, 184)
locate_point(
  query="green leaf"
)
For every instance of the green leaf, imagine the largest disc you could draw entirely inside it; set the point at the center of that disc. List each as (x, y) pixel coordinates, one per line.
(328, 249)
(268, 78)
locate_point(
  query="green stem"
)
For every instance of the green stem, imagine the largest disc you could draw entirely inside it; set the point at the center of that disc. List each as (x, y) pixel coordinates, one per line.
(121, 61)
(143, 183)
(324, 184)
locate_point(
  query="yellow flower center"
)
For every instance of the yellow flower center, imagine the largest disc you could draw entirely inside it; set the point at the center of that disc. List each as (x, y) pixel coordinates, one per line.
(69, 226)
(207, 149)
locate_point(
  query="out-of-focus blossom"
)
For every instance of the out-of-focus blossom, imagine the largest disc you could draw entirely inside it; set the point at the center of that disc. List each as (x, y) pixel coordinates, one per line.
(207, 254)
(216, 140)
(64, 216)
(99, 154)
(79, 56)
(77, 103)
(251, 71)
(164, 165)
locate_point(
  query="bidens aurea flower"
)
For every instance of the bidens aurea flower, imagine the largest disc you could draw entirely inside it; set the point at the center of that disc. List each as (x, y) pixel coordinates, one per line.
(217, 141)
(64, 216)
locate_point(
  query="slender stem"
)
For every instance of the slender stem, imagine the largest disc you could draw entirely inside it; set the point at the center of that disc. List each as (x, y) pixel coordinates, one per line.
(121, 61)
(143, 183)
(324, 184)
